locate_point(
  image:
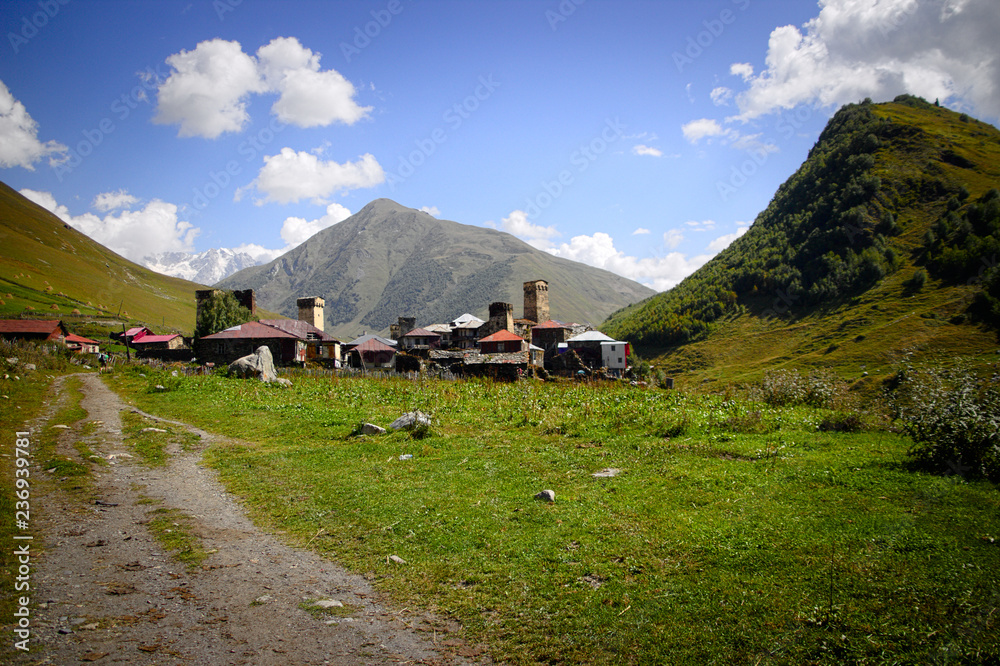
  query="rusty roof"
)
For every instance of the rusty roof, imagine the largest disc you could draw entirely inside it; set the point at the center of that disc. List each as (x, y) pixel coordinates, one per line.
(46, 326)
(422, 333)
(502, 336)
(73, 337)
(300, 329)
(373, 345)
(250, 331)
(551, 323)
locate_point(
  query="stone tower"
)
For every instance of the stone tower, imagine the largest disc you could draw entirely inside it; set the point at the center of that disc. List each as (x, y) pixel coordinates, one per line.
(501, 319)
(536, 301)
(311, 310)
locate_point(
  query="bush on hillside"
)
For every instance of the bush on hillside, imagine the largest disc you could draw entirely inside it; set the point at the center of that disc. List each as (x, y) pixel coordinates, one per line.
(954, 420)
(818, 388)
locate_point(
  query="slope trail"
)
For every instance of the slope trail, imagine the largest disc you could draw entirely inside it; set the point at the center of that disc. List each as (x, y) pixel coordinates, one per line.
(110, 593)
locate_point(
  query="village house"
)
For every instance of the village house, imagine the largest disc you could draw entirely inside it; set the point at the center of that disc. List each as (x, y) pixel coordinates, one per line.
(38, 330)
(370, 351)
(82, 345)
(420, 338)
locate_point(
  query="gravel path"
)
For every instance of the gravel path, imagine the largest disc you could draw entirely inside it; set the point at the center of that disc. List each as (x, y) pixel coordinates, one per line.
(109, 593)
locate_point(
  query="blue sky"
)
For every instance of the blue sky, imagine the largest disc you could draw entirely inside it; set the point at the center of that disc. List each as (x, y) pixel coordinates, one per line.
(640, 137)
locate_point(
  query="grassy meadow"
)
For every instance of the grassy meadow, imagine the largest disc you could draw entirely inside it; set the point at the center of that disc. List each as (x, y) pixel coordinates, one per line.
(734, 531)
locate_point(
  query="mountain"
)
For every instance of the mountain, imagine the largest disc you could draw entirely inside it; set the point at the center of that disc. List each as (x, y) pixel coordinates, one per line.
(388, 261)
(50, 270)
(882, 246)
(206, 267)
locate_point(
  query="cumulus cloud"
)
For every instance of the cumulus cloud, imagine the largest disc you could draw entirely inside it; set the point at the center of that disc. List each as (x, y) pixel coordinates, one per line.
(19, 144)
(640, 231)
(291, 176)
(938, 49)
(743, 70)
(696, 130)
(209, 87)
(599, 250)
(109, 201)
(431, 210)
(722, 242)
(129, 233)
(647, 150)
(537, 236)
(295, 231)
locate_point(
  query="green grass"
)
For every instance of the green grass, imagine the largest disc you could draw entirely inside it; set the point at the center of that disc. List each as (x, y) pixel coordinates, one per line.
(174, 530)
(143, 435)
(745, 534)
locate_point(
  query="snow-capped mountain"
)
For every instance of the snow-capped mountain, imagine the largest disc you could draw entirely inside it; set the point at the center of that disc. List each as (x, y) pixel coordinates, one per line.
(206, 267)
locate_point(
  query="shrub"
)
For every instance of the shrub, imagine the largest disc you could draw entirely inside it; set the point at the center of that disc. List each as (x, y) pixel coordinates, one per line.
(954, 420)
(842, 422)
(820, 388)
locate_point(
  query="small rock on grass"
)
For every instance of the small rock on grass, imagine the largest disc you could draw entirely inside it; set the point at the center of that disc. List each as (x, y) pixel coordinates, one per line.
(328, 603)
(546, 496)
(397, 559)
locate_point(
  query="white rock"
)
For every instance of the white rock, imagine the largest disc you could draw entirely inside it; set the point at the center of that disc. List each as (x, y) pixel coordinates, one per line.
(546, 495)
(329, 603)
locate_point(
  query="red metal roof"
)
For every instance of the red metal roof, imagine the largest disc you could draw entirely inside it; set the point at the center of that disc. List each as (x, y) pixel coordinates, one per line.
(40, 326)
(146, 339)
(551, 323)
(73, 337)
(250, 331)
(373, 345)
(502, 336)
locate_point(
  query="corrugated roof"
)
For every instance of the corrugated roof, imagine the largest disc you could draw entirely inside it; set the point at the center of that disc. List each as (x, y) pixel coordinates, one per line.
(250, 331)
(373, 345)
(147, 339)
(46, 326)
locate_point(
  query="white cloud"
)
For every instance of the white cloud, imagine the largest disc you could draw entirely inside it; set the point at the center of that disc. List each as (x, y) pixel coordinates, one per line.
(109, 201)
(129, 233)
(696, 130)
(701, 225)
(942, 49)
(640, 231)
(19, 144)
(209, 88)
(742, 69)
(647, 150)
(599, 250)
(722, 242)
(296, 230)
(721, 96)
(290, 176)
(308, 97)
(673, 238)
(537, 236)
(431, 210)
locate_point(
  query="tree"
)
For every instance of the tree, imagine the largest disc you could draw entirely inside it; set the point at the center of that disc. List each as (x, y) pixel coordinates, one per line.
(218, 312)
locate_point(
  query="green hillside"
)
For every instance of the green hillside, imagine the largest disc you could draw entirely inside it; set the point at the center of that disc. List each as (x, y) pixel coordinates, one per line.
(883, 244)
(51, 271)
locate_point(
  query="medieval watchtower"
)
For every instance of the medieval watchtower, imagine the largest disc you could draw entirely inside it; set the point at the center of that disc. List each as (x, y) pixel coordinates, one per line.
(536, 301)
(311, 310)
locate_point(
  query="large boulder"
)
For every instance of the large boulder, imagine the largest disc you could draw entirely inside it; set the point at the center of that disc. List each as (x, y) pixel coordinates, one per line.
(258, 365)
(410, 421)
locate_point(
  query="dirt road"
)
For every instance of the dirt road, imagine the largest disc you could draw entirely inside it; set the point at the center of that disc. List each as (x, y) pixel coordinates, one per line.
(109, 593)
